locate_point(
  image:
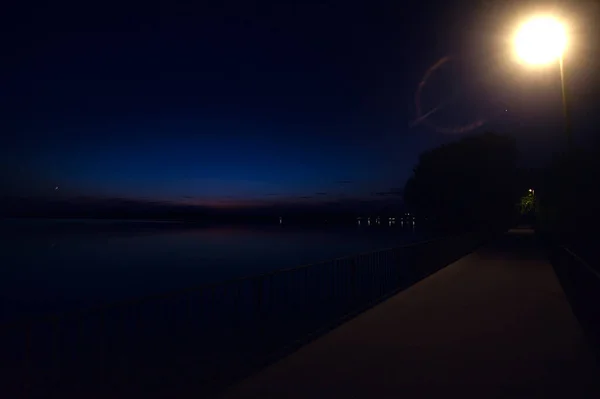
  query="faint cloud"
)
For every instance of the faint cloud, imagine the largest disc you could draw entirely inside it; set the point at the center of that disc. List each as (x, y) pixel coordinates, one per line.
(393, 192)
(321, 193)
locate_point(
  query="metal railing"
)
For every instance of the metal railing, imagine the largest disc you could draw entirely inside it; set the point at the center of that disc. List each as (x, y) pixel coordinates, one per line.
(198, 340)
(581, 283)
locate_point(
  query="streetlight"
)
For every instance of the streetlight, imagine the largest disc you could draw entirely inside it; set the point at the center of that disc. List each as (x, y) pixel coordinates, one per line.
(543, 40)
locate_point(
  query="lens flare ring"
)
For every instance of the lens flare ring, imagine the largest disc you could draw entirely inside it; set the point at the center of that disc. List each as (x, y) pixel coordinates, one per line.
(423, 117)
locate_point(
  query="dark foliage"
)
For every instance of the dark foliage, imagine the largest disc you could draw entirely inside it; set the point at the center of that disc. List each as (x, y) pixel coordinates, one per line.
(468, 184)
(569, 195)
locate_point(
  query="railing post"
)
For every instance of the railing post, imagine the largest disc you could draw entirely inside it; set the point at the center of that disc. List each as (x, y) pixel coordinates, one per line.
(333, 267)
(386, 262)
(381, 274)
(286, 287)
(105, 349)
(271, 294)
(398, 267)
(124, 350)
(259, 300)
(373, 273)
(353, 281)
(27, 374)
(306, 295)
(259, 294)
(56, 351)
(237, 303)
(190, 309)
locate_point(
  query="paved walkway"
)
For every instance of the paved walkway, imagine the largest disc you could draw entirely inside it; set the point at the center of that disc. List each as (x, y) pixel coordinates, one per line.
(494, 324)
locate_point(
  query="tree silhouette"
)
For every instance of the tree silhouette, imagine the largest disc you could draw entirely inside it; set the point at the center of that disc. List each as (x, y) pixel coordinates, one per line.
(569, 194)
(470, 183)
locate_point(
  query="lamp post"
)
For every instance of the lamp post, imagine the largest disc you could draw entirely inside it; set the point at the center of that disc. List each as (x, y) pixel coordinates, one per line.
(542, 40)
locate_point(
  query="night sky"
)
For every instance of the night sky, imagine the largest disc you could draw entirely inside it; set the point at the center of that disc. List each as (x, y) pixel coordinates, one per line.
(249, 103)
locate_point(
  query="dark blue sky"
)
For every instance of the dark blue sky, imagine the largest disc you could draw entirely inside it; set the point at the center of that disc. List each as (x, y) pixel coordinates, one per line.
(249, 103)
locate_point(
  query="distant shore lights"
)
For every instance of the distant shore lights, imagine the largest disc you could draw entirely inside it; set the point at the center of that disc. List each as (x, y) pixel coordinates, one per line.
(391, 220)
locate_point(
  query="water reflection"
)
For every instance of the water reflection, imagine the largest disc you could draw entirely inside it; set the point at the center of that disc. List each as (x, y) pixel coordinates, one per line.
(48, 266)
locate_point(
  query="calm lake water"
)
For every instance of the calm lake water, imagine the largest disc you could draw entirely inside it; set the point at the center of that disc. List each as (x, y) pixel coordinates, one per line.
(61, 265)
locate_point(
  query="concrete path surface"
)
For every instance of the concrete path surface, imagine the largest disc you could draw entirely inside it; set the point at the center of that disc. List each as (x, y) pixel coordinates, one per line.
(494, 324)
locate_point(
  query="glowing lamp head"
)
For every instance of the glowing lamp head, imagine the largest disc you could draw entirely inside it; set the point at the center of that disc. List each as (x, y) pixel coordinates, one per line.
(540, 41)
